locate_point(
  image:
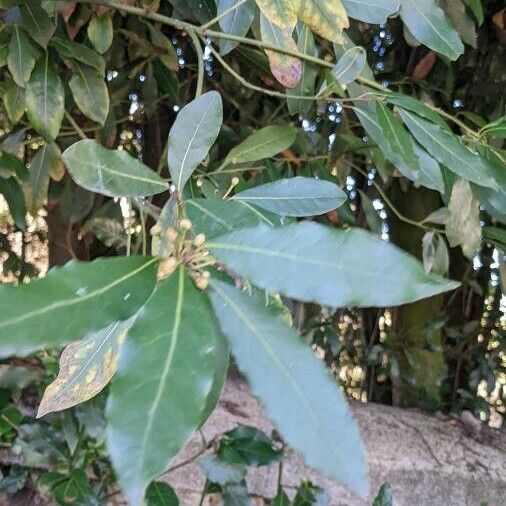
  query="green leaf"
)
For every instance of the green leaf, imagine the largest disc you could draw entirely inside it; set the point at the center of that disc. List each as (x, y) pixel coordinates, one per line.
(463, 223)
(45, 161)
(194, 132)
(86, 367)
(14, 101)
(338, 268)
(286, 69)
(496, 236)
(447, 149)
(297, 196)
(166, 364)
(477, 10)
(110, 172)
(282, 13)
(281, 499)
(161, 494)
(349, 66)
(311, 416)
(214, 217)
(11, 165)
(90, 92)
(37, 23)
(80, 52)
(496, 129)
(384, 497)
(306, 86)
(371, 215)
(72, 301)
(166, 79)
(465, 26)
(264, 143)
(371, 11)
(45, 97)
(100, 32)
(327, 18)
(21, 58)
(416, 106)
(238, 22)
(397, 137)
(236, 494)
(13, 195)
(427, 22)
(309, 494)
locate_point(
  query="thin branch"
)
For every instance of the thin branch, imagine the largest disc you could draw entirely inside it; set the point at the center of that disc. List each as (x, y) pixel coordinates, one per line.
(226, 12)
(200, 61)
(75, 126)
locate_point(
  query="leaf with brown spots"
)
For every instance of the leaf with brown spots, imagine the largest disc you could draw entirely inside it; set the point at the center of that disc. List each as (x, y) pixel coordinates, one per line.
(86, 367)
(282, 13)
(327, 18)
(286, 69)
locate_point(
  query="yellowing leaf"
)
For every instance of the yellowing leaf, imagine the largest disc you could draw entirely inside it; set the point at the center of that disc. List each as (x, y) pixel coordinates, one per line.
(282, 13)
(327, 18)
(86, 367)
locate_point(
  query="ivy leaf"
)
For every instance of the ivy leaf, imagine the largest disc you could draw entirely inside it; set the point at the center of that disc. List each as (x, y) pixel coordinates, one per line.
(21, 58)
(37, 23)
(45, 97)
(238, 22)
(90, 92)
(327, 18)
(110, 172)
(174, 334)
(160, 493)
(286, 69)
(349, 66)
(13, 195)
(338, 268)
(194, 132)
(427, 22)
(80, 52)
(282, 13)
(100, 32)
(384, 497)
(264, 143)
(14, 101)
(463, 223)
(371, 11)
(86, 367)
(72, 301)
(447, 149)
(311, 416)
(297, 196)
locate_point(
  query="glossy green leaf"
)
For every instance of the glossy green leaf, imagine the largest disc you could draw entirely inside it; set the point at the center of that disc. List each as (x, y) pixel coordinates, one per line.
(338, 268)
(21, 58)
(11, 165)
(110, 172)
(160, 493)
(496, 129)
(90, 92)
(297, 196)
(45, 161)
(214, 217)
(100, 32)
(45, 97)
(282, 13)
(286, 69)
(427, 22)
(14, 101)
(72, 301)
(238, 22)
(447, 149)
(350, 65)
(384, 497)
(371, 11)
(13, 195)
(80, 52)
(86, 367)
(312, 416)
(167, 364)
(37, 23)
(194, 132)
(264, 143)
(327, 18)
(417, 106)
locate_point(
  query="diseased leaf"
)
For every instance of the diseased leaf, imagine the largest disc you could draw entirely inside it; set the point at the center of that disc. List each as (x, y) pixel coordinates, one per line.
(264, 143)
(37, 23)
(110, 172)
(167, 363)
(238, 22)
(427, 22)
(194, 132)
(282, 13)
(14, 101)
(311, 416)
(13, 195)
(72, 301)
(349, 66)
(100, 32)
(337, 268)
(86, 367)
(160, 493)
(371, 11)
(90, 92)
(286, 69)
(45, 97)
(327, 18)
(21, 58)
(297, 196)
(436, 257)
